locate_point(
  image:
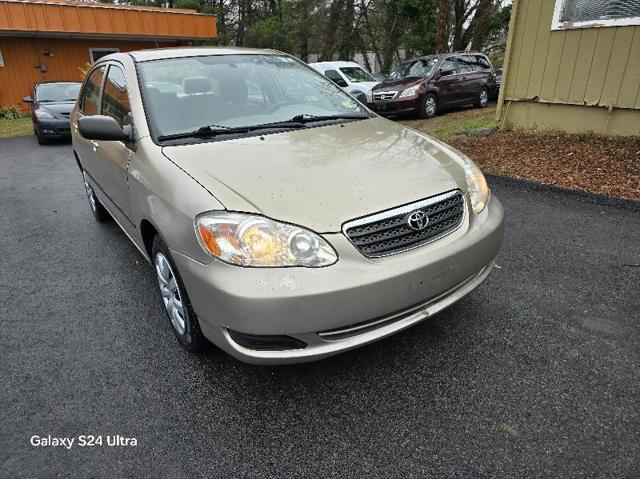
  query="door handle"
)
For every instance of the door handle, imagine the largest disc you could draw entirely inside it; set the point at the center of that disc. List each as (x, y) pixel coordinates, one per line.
(95, 145)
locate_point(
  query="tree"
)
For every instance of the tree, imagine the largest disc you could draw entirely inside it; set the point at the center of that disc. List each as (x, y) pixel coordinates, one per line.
(442, 35)
(337, 29)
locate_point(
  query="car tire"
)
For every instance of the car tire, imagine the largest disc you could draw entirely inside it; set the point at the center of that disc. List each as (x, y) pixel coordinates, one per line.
(100, 213)
(483, 98)
(429, 106)
(182, 319)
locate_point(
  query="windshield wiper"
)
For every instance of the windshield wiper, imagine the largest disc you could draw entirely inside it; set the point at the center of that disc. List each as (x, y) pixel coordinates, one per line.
(214, 130)
(306, 118)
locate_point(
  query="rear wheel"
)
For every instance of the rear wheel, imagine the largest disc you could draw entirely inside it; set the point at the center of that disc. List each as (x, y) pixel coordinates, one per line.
(429, 107)
(182, 318)
(99, 212)
(483, 98)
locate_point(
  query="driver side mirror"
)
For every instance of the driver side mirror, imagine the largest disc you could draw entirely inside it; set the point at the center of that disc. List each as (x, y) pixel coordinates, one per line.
(445, 73)
(336, 78)
(27, 99)
(340, 82)
(102, 127)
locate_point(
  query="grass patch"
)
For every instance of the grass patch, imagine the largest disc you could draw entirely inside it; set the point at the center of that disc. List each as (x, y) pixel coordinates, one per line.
(463, 127)
(18, 127)
(454, 122)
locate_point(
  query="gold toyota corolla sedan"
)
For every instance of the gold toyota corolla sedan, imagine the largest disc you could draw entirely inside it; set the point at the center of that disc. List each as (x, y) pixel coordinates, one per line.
(286, 222)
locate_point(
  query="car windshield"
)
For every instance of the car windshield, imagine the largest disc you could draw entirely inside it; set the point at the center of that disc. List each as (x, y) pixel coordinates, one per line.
(356, 74)
(50, 92)
(183, 95)
(418, 68)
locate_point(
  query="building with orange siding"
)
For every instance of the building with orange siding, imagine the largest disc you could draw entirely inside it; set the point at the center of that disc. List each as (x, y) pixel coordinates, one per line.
(54, 40)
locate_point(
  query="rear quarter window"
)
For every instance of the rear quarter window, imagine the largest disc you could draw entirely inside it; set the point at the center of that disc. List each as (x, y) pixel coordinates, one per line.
(483, 63)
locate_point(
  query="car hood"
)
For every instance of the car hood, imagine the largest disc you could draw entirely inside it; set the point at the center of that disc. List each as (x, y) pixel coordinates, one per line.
(62, 108)
(398, 84)
(321, 177)
(365, 86)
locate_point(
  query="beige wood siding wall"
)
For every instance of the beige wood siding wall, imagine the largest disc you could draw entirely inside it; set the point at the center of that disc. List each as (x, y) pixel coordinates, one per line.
(588, 66)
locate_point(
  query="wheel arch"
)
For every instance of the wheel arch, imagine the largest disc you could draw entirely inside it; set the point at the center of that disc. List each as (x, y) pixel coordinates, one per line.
(148, 231)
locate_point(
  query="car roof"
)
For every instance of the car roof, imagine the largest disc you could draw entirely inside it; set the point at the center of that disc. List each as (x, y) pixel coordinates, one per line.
(336, 64)
(183, 52)
(69, 82)
(443, 55)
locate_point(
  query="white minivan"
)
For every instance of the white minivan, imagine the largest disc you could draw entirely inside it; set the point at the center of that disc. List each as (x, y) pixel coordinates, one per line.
(349, 76)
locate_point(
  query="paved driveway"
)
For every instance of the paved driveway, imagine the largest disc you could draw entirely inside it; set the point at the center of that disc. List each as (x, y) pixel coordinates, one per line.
(535, 374)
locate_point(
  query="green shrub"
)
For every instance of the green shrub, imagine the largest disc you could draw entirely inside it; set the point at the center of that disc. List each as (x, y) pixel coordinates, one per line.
(10, 113)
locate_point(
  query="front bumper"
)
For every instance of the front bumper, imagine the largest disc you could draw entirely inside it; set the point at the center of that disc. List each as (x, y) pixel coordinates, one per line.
(305, 303)
(56, 127)
(396, 106)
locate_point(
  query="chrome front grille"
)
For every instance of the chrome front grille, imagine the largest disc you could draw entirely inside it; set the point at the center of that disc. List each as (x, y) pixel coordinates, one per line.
(384, 95)
(392, 231)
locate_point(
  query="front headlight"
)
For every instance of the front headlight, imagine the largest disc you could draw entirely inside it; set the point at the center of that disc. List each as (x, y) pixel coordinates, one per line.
(411, 91)
(252, 240)
(479, 192)
(370, 96)
(43, 115)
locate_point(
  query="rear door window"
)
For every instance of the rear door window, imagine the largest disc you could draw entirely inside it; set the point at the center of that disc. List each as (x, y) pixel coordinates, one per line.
(465, 65)
(91, 92)
(115, 100)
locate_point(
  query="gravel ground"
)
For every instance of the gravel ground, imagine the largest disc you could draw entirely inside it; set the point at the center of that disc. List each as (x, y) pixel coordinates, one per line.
(535, 374)
(593, 163)
(599, 164)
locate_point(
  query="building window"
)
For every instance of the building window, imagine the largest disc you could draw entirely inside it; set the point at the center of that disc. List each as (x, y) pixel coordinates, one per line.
(570, 14)
(96, 54)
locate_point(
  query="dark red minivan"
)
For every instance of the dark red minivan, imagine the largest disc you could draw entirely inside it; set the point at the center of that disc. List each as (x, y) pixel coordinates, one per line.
(427, 84)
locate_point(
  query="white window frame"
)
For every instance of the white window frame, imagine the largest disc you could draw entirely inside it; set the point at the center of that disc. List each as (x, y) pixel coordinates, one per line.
(101, 49)
(557, 24)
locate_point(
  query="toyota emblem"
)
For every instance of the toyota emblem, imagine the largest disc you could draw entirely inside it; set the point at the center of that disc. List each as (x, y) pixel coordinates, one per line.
(418, 220)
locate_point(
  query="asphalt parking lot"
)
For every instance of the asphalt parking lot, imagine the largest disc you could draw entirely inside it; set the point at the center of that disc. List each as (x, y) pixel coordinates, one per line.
(535, 374)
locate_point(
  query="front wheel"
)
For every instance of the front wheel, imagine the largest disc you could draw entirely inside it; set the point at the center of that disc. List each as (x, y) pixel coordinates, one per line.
(182, 318)
(483, 98)
(429, 107)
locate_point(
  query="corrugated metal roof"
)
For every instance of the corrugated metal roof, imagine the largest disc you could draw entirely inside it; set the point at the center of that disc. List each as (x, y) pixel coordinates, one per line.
(101, 19)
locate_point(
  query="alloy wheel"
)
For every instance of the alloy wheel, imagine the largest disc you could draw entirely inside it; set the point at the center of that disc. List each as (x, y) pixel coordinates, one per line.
(430, 106)
(484, 98)
(170, 292)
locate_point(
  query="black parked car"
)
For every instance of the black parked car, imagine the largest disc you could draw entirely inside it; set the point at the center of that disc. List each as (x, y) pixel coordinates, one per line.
(51, 105)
